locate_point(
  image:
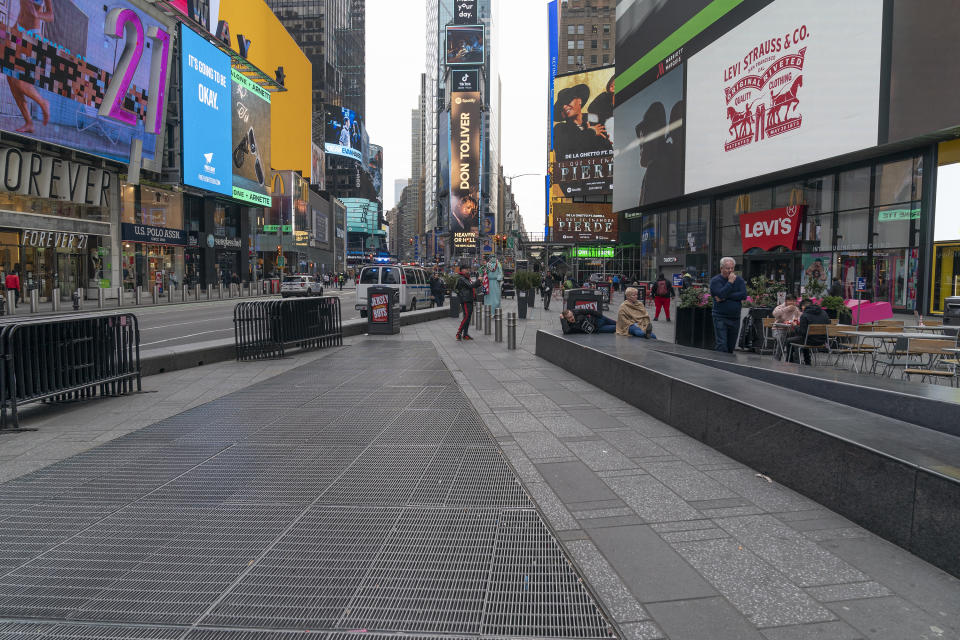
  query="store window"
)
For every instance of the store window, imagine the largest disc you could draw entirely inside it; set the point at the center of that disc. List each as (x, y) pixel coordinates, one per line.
(853, 229)
(855, 189)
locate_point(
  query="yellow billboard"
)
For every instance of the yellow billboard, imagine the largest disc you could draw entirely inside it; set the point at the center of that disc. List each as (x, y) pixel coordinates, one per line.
(272, 47)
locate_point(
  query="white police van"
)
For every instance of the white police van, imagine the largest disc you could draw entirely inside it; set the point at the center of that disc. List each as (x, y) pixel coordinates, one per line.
(412, 281)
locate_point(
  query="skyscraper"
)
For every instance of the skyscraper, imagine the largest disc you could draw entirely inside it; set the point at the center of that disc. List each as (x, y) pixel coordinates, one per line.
(587, 35)
(437, 103)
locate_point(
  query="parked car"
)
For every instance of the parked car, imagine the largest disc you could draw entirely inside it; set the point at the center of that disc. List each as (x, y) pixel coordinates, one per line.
(300, 285)
(413, 283)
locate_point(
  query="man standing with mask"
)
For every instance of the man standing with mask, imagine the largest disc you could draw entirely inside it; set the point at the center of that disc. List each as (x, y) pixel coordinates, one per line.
(728, 290)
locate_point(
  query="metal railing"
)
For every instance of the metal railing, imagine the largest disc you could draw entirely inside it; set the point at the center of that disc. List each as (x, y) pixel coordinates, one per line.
(70, 359)
(266, 328)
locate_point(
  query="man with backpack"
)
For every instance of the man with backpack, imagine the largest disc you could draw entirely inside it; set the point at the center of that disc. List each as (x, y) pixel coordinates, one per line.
(662, 292)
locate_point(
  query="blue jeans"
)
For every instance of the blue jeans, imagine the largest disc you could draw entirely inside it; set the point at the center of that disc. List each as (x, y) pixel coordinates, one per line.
(726, 331)
(637, 332)
(606, 325)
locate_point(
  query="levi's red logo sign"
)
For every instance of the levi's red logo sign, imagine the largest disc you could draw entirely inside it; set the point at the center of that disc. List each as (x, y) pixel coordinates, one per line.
(379, 311)
(770, 229)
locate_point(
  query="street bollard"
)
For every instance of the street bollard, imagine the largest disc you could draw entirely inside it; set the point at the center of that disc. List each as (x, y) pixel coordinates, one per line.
(77, 300)
(196, 292)
(183, 293)
(477, 317)
(498, 325)
(119, 297)
(511, 331)
(156, 294)
(55, 298)
(34, 301)
(486, 319)
(11, 302)
(99, 297)
(209, 292)
(138, 295)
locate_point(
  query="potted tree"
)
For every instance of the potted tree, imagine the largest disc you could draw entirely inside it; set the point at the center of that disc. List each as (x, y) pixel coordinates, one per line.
(694, 326)
(835, 308)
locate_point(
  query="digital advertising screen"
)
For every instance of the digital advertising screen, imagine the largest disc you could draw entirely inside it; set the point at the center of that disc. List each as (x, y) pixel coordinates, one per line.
(375, 169)
(251, 141)
(343, 133)
(583, 222)
(317, 164)
(86, 75)
(465, 11)
(464, 80)
(583, 133)
(650, 144)
(207, 121)
(464, 45)
(782, 89)
(465, 125)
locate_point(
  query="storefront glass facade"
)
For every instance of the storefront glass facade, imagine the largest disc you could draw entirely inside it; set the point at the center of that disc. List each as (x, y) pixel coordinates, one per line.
(151, 213)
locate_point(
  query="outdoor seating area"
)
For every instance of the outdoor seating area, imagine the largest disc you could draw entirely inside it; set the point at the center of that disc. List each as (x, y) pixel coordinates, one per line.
(924, 351)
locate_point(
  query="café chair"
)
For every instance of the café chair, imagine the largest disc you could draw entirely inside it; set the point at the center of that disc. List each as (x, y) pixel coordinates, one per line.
(936, 367)
(818, 332)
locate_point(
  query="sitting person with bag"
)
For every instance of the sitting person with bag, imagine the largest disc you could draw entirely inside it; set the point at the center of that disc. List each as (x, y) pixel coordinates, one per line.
(586, 321)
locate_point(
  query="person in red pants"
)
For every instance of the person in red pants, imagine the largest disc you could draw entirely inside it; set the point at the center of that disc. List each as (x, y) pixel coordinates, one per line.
(465, 289)
(662, 292)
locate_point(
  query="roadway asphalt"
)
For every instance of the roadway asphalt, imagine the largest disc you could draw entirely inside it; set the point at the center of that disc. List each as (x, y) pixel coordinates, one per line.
(177, 325)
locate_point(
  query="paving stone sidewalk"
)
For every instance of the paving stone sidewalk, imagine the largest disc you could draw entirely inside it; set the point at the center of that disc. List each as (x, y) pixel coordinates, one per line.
(678, 540)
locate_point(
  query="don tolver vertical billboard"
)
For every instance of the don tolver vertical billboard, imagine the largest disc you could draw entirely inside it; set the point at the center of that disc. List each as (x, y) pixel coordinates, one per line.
(206, 120)
(251, 141)
(795, 83)
(466, 113)
(583, 133)
(343, 133)
(86, 75)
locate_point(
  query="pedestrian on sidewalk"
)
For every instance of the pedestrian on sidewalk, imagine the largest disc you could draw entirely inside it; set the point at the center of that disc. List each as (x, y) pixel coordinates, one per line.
(12, 283)
(547, 290)
(438, 289)
(342, 279)
(466, 292)
(662, 293)
(728, 291)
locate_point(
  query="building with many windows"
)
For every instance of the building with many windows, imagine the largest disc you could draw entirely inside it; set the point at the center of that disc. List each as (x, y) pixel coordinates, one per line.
(587, 34)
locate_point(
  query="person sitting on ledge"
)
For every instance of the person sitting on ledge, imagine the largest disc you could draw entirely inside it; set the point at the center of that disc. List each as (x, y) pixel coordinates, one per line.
(587, 321)
(633, 319)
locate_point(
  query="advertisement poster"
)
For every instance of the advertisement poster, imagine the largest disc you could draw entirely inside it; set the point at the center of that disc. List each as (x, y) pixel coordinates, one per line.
(650, 144)
(465, 124)
(465, 80)
(783, 89)
(206, 115)
(317, 164)
(321, 228)
(81, 75)
(464, 11)
(580, 222)
(464, 45)
(583, 133)
(251, 141)
(816, 266)
(375, 169)
(343, 133)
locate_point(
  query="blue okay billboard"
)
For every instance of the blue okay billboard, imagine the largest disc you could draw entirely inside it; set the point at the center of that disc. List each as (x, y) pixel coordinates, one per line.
(207, 124)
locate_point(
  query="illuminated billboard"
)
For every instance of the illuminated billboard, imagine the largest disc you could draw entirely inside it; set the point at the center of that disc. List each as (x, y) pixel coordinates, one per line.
(86, 76)
(251, 141)
(582, 134)
(582, 222)
(464, 45)
(375, 169)
(343, 133)
(465, 124)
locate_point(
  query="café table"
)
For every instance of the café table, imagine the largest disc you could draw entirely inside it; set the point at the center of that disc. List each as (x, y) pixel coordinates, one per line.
(929, 328)
(888, 339)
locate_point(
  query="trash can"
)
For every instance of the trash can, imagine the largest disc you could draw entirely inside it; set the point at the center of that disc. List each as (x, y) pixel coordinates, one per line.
(951, 311)
(454, 305)
(383, 311)
(585, 299)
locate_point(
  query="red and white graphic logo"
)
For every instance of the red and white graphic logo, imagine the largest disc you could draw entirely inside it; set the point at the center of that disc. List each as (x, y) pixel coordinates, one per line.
(768, 230)
(379, 307)
(584, 304)
(762, 90)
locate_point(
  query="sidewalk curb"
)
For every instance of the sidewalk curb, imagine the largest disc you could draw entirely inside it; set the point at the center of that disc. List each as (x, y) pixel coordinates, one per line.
(164, 360)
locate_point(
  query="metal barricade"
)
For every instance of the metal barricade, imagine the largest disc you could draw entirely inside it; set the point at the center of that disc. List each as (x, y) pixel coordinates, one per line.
(65, 360)
(267, 328)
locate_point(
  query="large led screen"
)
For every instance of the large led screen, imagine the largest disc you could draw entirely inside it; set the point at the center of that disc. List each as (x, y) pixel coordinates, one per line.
(464, 45)
(375, 169)
(465, 123)
(947, 220)
(582, 222)
(582, 133)
(795, 83)
(86, 75)
(649, 136)
(343, 135)
(251, 141)
(206, 115)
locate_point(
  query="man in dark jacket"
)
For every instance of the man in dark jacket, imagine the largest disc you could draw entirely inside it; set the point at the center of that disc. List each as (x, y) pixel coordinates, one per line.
(437, 288)
(465, 289)
(812, 314)
(728, 290)
(587, 321)
(836, 289)
(547, 290)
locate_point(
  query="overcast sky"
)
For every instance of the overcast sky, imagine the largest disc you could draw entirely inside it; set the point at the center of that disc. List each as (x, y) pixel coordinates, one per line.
(396, 56)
